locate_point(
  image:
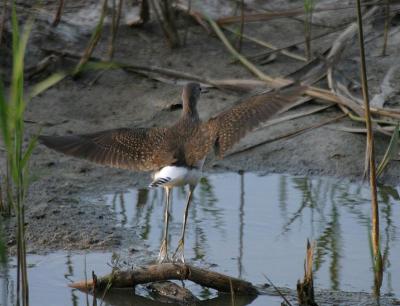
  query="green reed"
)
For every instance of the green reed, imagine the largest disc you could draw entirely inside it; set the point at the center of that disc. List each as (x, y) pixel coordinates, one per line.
(18, 154)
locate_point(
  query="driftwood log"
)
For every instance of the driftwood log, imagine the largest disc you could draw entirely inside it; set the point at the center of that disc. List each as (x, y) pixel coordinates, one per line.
(169, 271)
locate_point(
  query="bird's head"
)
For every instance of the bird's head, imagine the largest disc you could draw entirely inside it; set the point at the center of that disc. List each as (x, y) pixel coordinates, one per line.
(190, 96)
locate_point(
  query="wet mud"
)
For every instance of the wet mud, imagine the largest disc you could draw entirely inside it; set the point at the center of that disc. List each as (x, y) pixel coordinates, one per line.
(61, 211)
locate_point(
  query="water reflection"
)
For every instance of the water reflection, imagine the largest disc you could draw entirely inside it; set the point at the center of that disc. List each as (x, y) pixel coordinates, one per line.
(69, 277)
(128, 298)
(328, 234)
(241, 225)
(280, 213)
(244, 225)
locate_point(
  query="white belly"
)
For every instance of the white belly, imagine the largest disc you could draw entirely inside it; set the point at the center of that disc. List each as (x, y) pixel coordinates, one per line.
(171, 176)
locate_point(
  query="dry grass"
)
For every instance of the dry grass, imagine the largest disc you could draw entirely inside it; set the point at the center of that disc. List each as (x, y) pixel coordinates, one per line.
(370, 156)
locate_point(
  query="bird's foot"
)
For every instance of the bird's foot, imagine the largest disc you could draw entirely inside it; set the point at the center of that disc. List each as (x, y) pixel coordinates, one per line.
(179, 256)
(163, 254)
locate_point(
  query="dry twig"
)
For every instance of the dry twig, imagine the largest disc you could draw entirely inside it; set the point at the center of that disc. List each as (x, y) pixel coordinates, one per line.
(57, 16)
(287, 135)
(269, 46)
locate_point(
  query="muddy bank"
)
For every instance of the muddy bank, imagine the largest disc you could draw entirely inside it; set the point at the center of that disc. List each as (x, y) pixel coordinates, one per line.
(121, 99)
(61, 205)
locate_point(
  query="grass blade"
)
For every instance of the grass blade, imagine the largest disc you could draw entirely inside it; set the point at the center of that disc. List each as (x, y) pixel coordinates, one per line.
(47, 83)
(19, 70)
(12, 123)
(28, 152)
(15, 29)
(370, 157)
(94, 39)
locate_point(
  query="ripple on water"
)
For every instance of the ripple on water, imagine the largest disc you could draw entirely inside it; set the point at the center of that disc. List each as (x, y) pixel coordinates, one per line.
(249, 226)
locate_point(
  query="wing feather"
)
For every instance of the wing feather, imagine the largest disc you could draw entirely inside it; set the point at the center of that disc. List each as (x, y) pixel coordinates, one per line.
(135, 149)
(233, 124)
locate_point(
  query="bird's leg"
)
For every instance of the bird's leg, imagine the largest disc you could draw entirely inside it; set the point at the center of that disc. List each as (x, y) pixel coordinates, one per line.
(179, 252)
(163, 255)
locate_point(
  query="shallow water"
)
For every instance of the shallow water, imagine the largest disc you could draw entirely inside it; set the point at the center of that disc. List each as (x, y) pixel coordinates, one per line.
(247, 226)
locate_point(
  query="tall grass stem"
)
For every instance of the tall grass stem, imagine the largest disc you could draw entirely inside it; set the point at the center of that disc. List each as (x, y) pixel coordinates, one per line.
(370, 152)
(386, 27)
(17, 155)
(308, 10)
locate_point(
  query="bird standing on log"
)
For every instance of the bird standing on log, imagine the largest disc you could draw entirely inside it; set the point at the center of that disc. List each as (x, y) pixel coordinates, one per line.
(175, 154)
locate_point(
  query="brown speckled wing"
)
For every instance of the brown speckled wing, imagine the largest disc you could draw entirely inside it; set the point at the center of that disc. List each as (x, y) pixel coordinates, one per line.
(199, 144)
(135, 149)
(231, 125)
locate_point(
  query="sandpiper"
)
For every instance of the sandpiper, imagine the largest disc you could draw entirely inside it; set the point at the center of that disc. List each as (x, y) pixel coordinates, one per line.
(175, 154)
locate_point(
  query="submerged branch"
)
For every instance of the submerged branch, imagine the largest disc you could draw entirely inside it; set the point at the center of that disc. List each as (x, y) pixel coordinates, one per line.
(170, 271)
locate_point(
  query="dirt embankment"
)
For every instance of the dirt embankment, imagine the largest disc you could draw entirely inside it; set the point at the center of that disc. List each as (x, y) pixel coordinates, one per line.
(61, 212)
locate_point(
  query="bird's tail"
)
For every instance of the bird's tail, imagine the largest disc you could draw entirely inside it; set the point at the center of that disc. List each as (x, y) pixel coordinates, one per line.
(159, 182)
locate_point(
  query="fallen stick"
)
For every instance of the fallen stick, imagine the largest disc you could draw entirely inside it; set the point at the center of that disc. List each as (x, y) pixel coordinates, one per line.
(295, 115)
(286, 135)
(169, 271)
(197, 16)
(239, 85)
(288, 13)
(242, 85)
(267, 45)
(313, 91)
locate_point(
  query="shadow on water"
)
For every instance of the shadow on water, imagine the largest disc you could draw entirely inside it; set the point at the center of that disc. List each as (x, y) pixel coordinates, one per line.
(245, 225)
(235, 216)
(124, 297)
